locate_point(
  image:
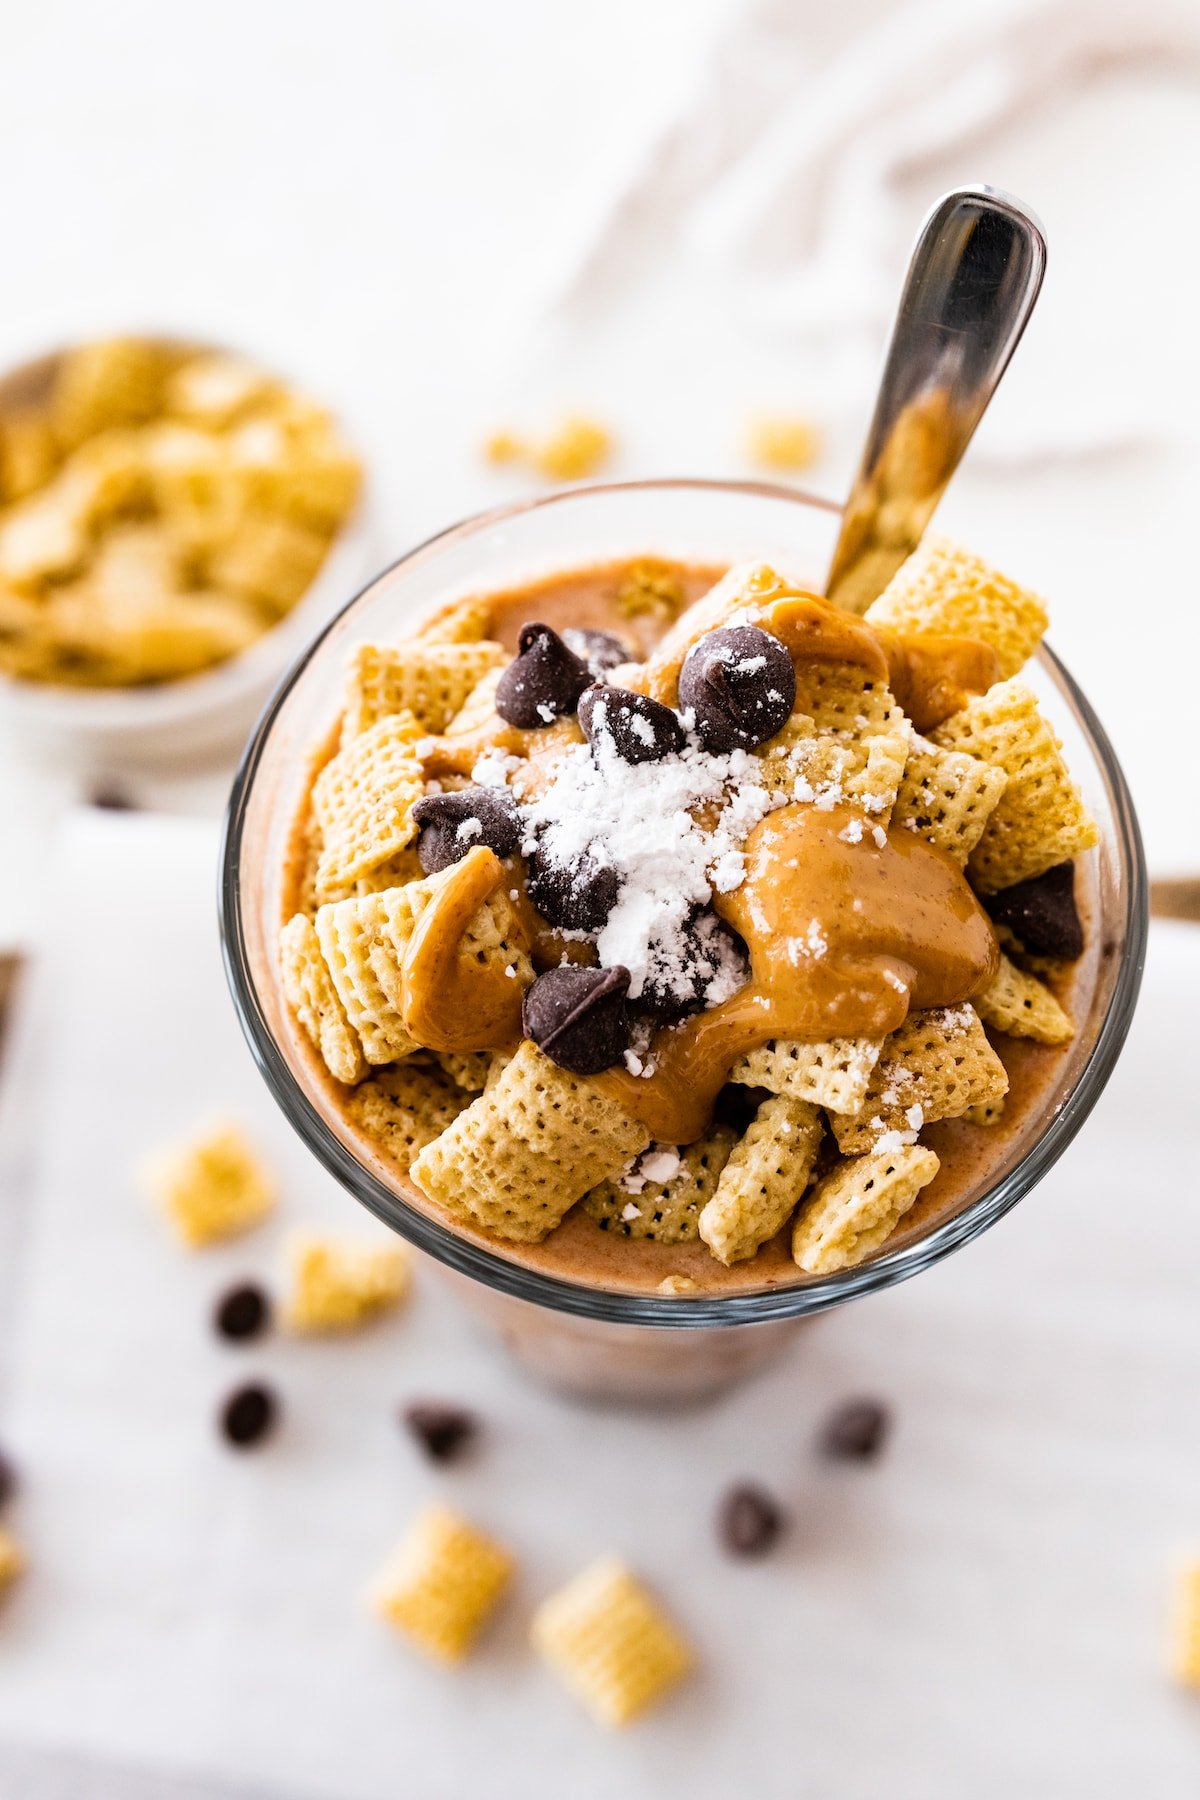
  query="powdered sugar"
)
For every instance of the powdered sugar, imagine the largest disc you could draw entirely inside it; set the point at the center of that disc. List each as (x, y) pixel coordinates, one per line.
(639, 819)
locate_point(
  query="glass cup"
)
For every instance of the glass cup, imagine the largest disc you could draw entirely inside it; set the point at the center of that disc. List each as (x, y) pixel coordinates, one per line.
(593, 1341)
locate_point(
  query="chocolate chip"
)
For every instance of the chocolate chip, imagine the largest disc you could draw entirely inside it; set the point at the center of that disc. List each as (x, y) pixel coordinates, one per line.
(639, 729)
(249, 1415)
(704, 949)
(600, 650)
(576, 899)
(544, 680)
(749, 1521)
(577, 1016)
(442, 1431)
(740, 685)
(242, 1313)
(856, 1431)
(1042, 913)
(8, 1478)
(454, 822)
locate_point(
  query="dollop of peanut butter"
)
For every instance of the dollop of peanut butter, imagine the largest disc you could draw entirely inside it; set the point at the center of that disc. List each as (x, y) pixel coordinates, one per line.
(844, 935)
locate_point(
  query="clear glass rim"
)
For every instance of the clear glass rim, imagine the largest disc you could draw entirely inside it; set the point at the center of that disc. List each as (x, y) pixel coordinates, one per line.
(703, 1311)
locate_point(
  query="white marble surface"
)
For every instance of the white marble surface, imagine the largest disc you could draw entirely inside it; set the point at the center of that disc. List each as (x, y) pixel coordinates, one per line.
(979, 1613)
(381, 200)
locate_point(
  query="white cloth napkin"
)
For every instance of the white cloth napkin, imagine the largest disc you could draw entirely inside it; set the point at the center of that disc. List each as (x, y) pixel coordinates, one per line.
(981, 1613)
(785, 187)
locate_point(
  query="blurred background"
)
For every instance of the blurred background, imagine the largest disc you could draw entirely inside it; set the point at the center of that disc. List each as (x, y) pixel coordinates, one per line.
(678, 220)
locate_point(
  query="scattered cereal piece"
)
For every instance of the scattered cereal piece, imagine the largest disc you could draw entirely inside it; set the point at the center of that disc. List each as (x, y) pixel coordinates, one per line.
(671, 1285)
(947, 797)
(40, 540)
(832, 1075)
(249, 1415)
(578, 448)
(749, 1521)
(785, 441)
(851, 1212)
(575, 449)
(503, 447)
(462, 622)
(214, 389)
(242, 1312)
(363, 960)
(337, 1284)
(363, 800)
(763, 1178)
(442, 1583)
(1022, 1006)
(212, 1186)
(404, 1109)
(431, 681)
(528, 1148)
(309, 991)
(1185, 1637)
(442, 1431)
(933, 1067)
(946, 590)
(28, 453)
(1040, 818)
(467, 1069)
(116, 381)
(987, 1112)
(273, 564)
(856, 1431)
(12, 1559)
(665, 1193)
(610, 1643)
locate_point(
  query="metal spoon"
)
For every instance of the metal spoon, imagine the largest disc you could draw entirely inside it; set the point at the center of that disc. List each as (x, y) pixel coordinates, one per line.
(975, 274)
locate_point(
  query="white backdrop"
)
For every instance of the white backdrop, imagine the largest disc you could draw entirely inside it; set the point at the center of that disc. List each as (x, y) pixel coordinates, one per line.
(385, 199)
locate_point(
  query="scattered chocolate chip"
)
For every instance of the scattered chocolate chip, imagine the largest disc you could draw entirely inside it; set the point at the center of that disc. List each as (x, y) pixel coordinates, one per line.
(242, 1313)
(8, 1479)
(454, 822)
(442, 1431)
(249, 1415)
(111, 799)
(600, 650)
(577, 1016)
(705, 948)
(640, 730)
(575, 899)
(856, 1431)
(1042, 913)
(749, 1521)
(740, 685)
(543, 681)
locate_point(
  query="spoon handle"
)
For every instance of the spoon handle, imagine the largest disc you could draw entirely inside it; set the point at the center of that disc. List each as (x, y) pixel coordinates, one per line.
(975, 274)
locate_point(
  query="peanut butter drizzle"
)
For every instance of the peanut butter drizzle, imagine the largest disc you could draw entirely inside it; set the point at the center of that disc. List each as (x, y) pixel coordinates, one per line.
(932, 677)
(811, 629)
(843, 938)
(450, 1001)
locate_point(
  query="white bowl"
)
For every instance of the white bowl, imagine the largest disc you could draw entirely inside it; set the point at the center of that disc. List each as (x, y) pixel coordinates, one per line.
(172, 723)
